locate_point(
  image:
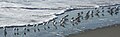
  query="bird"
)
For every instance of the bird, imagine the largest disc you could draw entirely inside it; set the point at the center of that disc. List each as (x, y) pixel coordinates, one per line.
(96, 14)
(24, 33)
(5, 32)
(78, 14)
(44, 28)
(28, 30)
(66, 16)
(87, 15)
(38, 29)
(44, 23)
(54, 22)
(17, 31)
(24, 28)
(117, 10)
(34, 30)
(34, 25)
(62, 23)
(92, 13)
(102, 10)
(78, 18)
(103, 15)
(102, 7)
(14, 29)
(72, 21)
(110, 13)
(81, 12)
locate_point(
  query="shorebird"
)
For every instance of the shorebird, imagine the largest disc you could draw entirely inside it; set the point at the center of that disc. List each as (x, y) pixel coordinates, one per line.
(117, 10)
(55, 25)
(109, 7)
(78, 17)
(98, 11)
(24, 33)
(102, 14)
(62, 23)
(34, 30)
(26, 29)
(110, 13)
(97, 14)
(38, 29)
(87, 15)
(102, 10)
(72, 21)
(5, 32)
(81, 12)
(96, 8)
(92, 13)
(102, 7)
(16, 31)
(34, 25)
(66, 16)
(116, 13)
(44, 28)
(54, 22)
(47, 25)
(44, 23)
(78, 14)
(77, 20)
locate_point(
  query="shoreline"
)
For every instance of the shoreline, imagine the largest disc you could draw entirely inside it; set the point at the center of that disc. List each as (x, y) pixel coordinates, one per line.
(56, 14)
(109, 31)
(48, 28)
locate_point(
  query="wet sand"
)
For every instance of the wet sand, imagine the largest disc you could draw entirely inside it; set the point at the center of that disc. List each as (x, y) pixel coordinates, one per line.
(113, 31)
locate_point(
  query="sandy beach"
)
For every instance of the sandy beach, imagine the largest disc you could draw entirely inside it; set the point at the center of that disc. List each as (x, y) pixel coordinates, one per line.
(112, 31)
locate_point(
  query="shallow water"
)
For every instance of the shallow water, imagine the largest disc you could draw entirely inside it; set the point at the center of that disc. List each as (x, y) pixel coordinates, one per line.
(15, 15)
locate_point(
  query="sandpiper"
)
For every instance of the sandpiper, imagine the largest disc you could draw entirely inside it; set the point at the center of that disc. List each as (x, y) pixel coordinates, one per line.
(34, 25)
(54, 23)
(72, 21)
(102, 7)
(81, 12)
(24, 33)
(92, 13)
(34, 30)
(38, 29)
(102, 10)
(5, 32)
(17, 31)
(44, 23)
(117, 10)
(87, 15)
(97, 14)
(62, 23)
(110, 13)
(103, 15)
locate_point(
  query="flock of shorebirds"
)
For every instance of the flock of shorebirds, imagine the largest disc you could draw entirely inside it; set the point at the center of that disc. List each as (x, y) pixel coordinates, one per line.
(73, 20)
